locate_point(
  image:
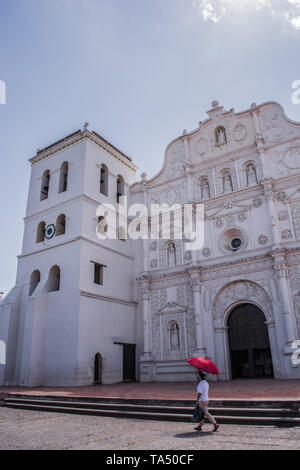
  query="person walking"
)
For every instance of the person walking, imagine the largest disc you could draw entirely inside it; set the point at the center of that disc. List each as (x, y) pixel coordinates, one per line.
(202, 399)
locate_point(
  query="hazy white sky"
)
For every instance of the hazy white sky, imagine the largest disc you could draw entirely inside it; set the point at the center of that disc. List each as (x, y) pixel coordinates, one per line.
(140, 71)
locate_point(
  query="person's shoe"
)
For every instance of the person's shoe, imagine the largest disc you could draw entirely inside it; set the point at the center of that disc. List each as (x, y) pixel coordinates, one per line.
(216, 427)
(198, 428)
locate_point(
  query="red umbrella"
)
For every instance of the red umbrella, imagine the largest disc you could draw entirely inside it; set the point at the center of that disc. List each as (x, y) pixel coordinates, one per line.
(204, 364)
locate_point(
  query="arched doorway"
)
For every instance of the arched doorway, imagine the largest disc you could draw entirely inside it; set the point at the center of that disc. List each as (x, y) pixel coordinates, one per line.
(249, 345)
(98, 369)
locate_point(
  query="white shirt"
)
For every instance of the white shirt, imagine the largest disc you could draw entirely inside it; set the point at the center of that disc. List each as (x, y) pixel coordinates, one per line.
(203, 388)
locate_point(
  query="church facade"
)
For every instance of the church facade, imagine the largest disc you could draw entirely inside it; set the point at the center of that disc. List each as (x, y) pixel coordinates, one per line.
(91, 310)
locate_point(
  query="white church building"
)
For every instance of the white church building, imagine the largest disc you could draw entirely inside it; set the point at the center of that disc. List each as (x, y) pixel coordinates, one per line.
(87, 310)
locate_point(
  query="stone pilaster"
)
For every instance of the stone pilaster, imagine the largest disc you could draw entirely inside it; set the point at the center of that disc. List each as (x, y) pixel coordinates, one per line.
(281, 271)
(196, 289)
(268, 193)
(145, 288)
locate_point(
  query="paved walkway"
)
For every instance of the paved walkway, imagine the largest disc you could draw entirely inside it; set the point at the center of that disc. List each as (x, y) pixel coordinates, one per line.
(24, 429)
(261, 389)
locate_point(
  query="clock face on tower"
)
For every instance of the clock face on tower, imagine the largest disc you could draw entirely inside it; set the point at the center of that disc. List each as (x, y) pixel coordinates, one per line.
(50, 231)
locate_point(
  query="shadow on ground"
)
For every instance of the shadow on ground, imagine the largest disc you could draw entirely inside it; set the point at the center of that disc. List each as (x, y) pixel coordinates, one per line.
(189, 435)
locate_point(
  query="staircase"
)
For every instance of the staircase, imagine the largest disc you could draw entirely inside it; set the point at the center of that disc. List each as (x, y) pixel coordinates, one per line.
(272, 413)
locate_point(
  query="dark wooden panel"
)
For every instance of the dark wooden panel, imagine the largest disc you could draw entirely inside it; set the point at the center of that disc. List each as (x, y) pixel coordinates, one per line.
(128, 363)
(249, 343)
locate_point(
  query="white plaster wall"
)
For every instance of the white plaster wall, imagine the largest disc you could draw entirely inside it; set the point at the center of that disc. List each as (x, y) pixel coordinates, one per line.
(47, 335)
(100, 324)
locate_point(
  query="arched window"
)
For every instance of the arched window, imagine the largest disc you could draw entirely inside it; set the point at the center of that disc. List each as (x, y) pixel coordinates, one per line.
(40, 233)
(53, 279)
(220, 135)
(251, 175)
(174, 338)
(120, 187)
(34, 280)
(63, 177)
(45, 185)
(171, 254)
(102, 225)
(60, 227)
(104, 180)
(204, 189)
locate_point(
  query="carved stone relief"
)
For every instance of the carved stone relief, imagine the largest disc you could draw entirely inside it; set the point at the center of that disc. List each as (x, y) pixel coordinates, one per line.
(294, 275)
(258, 202)
(201, 146)
(239, 132)
(295, 212)
(206, 252)
(292, 158)
(286, 234)
(241, 291)
(274, 127)
(283, 215)
(286, 162)
(153, 264)
(173, 325)
(263, 239)
(170, 194)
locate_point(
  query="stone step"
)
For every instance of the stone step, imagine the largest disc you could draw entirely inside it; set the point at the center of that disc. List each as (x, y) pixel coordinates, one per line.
(256, 404)
(241, 411)
(152, 415)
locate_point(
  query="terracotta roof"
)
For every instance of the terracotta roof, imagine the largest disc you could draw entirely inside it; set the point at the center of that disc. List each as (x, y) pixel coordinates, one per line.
(45, 149)
(106, 141)
(58, 141)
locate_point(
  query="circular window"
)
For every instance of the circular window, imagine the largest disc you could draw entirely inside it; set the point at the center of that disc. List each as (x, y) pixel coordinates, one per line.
(232, 240)
(236, 243)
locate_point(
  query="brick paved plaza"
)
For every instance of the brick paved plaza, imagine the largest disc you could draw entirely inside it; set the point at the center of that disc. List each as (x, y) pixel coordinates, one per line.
(260, 389)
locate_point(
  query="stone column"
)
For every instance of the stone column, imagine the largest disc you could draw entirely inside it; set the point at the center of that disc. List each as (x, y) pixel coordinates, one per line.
(237, 174)
(187, 166)
(189, 184)
(213, 175)
(222, 358)
(196, 288)
(281, 271)
(260, 144)
(144, 282)
(268, 193)
(145, 241)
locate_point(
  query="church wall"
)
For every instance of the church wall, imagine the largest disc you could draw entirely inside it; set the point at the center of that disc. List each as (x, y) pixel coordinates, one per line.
(101, 324)
(47, 330)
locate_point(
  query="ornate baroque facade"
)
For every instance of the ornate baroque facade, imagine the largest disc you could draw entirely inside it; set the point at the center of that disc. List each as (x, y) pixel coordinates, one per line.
(245, 168)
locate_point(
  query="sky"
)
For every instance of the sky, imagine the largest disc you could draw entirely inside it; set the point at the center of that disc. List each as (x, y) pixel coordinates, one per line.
(139, 71)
